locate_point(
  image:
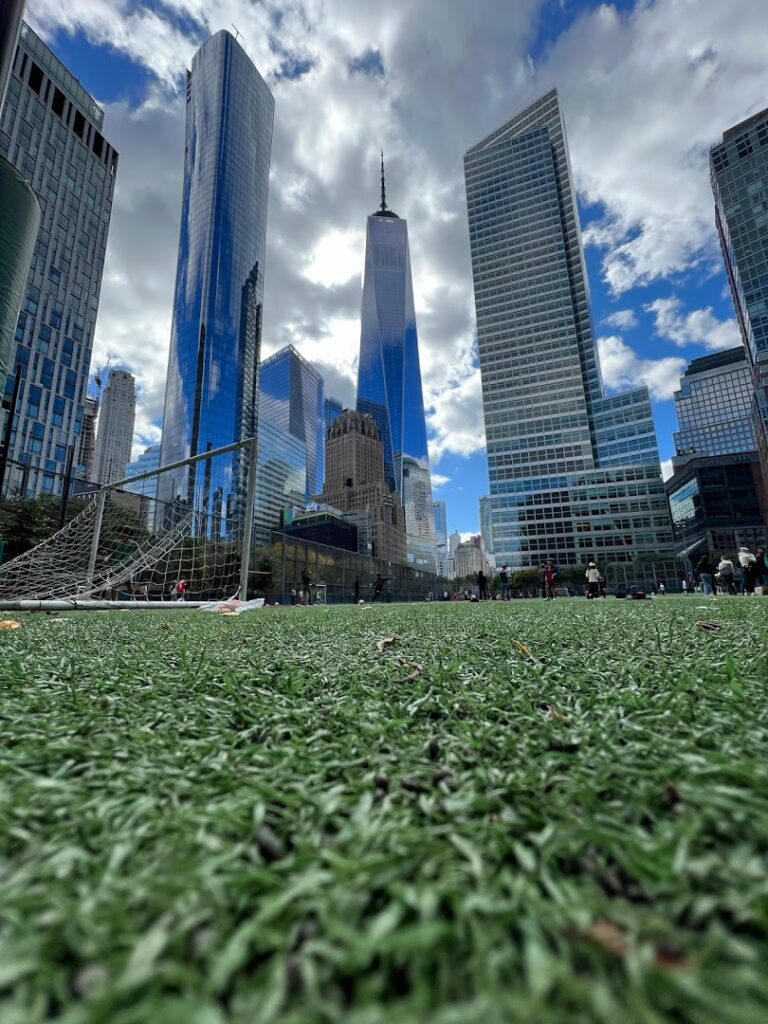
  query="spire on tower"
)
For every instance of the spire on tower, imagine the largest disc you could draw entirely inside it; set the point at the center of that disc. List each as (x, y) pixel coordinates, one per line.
(383, 189)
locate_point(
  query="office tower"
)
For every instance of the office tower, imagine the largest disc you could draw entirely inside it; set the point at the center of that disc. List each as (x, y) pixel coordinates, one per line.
(356, 479)
(441, 522)
(453, 542)
(389, 376)
(86, 446)
(281, 478)
(714, 407)
(332, 409)
(574, 475)
(211, 393)
(486, 524)
(19, 209)
(292, 396)
(114, 436)
(469, 559)
(51, 131)
(739, 175)
(715, 506)
(147, 489)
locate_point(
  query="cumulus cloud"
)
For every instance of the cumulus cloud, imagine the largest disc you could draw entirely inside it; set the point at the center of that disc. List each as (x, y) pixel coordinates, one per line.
(698, 327)
(622, 319)
(666, 469)
(622, 368)
(439, 480)
(351, 77)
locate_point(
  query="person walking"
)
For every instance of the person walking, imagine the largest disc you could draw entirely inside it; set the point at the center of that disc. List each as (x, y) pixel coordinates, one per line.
(727, 575)
(356, 589)
(504, 583)
(684, 586)
(705, 567)
(593, 580)
(377, 587)
(550, 579)
(747, 563)
(662, 588)
(482, 585)
(761, 571)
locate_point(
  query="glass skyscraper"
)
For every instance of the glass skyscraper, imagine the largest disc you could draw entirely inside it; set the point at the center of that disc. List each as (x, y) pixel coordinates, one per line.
(739, 175)
(389, 375)
(333, 409)
(441, 522)
(211, 394)
(573, 474)
(51, 131)
(292, 397)
(714, 407)
(280, 479)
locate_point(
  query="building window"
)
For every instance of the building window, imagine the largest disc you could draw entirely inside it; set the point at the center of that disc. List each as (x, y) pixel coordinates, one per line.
(35, 79)
(743, 146)
(57, 106)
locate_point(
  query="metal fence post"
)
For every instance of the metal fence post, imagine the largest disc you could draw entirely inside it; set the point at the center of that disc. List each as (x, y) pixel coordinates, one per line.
(250, 503)
(102, 500)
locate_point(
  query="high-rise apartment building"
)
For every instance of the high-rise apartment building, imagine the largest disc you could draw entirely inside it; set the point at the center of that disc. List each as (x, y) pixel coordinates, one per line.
(86, 445)
(281, 478)
(486, 524)
(714, 407)
(356, 480)
(739, 175)
(332, 408)
(441, 522)
(573, 474)
(292, 396)
(114, 436)
(389, 375)
(51, 131)
(211, 394)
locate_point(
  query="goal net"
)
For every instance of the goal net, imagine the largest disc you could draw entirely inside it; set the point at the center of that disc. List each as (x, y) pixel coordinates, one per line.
(167, 534)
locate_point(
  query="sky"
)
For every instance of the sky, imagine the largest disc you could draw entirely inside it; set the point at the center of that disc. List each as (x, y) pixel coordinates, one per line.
(646, 87)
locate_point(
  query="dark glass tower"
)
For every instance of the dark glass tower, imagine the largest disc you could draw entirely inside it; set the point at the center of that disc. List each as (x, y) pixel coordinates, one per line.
(389, 375)
(211, 391)
(574, 474)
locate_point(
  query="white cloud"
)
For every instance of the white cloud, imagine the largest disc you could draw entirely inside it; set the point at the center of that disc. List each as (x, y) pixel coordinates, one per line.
(622, 319)
(699, 327)
(666, 469)
(438, 480)
(643, 96)
(622, 368)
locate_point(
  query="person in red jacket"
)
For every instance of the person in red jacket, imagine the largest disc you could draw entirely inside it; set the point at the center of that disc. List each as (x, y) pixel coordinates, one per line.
(181, 590)
(550, 579)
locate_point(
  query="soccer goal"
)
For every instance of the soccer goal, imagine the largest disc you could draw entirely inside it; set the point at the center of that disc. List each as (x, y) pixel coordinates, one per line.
(170, 537)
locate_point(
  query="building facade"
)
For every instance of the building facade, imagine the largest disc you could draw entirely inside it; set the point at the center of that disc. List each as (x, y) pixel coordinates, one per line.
(715, 506)
(355, 480)
(280, 478)
(292, 396)
(440, 516)
(389, 375)
(51, 131)
(714, 407)
(86, 445)
(211, 396)
(574, 474)
(114, 437)
(332, 408)
(739, 176)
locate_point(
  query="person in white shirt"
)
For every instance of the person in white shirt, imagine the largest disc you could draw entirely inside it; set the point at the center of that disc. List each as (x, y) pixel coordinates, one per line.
(594, 579)
(747, 562)
(726, 575)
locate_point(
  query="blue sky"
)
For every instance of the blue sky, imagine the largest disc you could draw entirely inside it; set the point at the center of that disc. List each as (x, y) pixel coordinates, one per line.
(646, 88)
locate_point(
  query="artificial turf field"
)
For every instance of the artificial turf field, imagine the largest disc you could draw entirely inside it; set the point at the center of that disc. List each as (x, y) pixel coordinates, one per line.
(516, 812)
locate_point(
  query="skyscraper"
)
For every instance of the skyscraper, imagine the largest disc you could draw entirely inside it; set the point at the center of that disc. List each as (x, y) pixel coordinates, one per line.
(441, 522)
(389, 375)
(114, 437)
(486, 525)
(739, 174)
(356, 480)
(292, 396)
(86, 446)
(51, 131)
(573, 474)
(281, 478)
(714, 407)
(211, 394)
(333, 408)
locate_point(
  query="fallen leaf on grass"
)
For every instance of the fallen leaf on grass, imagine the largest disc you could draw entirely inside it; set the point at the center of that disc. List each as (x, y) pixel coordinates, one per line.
(417, 670)
(612, 939)
(552, 712)
(389, 641)
(10, 624)
(520, 646)
(709, 625)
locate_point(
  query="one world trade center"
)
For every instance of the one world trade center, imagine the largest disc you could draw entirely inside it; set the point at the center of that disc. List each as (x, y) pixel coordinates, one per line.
(389, 375)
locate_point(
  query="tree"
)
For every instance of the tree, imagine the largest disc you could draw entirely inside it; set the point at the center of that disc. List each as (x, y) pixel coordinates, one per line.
(25, 522)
